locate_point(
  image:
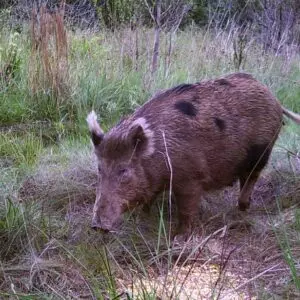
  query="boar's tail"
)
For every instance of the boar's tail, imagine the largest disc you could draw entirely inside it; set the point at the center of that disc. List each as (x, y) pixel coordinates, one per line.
(293, 116)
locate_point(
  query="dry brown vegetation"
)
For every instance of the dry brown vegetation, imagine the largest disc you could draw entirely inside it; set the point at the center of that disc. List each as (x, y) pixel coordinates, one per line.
(48, 65)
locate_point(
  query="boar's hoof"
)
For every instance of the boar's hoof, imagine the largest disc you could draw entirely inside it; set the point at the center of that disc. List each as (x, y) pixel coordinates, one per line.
(104, 230)
(244, 206)
(100, 229)
(180, 239)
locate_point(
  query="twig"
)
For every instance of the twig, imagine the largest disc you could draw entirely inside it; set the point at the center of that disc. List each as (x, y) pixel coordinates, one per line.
(171, 181)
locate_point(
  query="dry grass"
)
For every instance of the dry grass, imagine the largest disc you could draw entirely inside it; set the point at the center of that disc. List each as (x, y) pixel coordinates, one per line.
(48, 65)
(46, 272)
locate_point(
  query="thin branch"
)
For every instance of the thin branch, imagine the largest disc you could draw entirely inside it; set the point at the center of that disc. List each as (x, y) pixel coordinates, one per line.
(171, 179)
(149, 10)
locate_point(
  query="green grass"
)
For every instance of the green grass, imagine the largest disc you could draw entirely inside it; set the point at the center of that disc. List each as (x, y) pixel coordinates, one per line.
(106, 75)
(48, 175)
(289, 91)
(20, 150)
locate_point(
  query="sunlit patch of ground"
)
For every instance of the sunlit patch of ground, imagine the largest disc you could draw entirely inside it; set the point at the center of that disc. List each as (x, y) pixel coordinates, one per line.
(190, 282)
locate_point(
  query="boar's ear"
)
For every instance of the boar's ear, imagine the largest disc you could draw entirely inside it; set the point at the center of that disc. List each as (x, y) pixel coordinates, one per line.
(95, 129)
(141, 137)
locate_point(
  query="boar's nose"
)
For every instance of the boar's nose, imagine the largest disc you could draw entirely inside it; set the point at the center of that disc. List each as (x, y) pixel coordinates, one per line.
(100, 227)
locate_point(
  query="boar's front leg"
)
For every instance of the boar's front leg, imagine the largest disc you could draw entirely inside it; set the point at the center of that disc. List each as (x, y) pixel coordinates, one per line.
(187, 200)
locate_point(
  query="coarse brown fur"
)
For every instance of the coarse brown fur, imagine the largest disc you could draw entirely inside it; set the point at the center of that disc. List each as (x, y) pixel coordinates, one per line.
(214, 132)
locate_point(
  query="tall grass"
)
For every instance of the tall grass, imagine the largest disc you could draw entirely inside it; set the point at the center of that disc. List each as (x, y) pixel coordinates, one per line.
(48, 175)
(101, 70)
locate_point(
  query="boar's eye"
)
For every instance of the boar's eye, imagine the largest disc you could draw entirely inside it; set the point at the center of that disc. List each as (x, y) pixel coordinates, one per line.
(124, 175)
(122, 172)
(99, 169)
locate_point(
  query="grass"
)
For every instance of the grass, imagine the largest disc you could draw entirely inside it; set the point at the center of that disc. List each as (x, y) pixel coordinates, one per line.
(48, 175)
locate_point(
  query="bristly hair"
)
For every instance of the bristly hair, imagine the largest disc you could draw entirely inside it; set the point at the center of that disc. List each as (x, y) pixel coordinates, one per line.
(148, 133)
(177, 90)
(117, 142)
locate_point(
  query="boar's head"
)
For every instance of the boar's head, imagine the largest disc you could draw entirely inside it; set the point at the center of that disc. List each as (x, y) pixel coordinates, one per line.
(122, 179)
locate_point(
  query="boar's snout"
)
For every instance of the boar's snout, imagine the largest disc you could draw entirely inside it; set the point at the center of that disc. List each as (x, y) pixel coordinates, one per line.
(104, 227)
(107, 213)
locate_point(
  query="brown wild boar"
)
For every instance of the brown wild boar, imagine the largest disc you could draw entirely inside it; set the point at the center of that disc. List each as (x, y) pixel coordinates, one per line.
(207, 135)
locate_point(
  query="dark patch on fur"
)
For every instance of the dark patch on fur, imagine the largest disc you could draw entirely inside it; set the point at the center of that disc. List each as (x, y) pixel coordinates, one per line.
(257, 158)
(186, 108)
(175, 91)
(223, 81)
(220, 123)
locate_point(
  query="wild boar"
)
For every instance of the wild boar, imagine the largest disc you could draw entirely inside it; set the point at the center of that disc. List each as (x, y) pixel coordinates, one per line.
(207, 135)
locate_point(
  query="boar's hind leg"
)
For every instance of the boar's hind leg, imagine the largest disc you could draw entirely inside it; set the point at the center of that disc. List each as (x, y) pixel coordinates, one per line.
(246, 187)
(249, 170)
